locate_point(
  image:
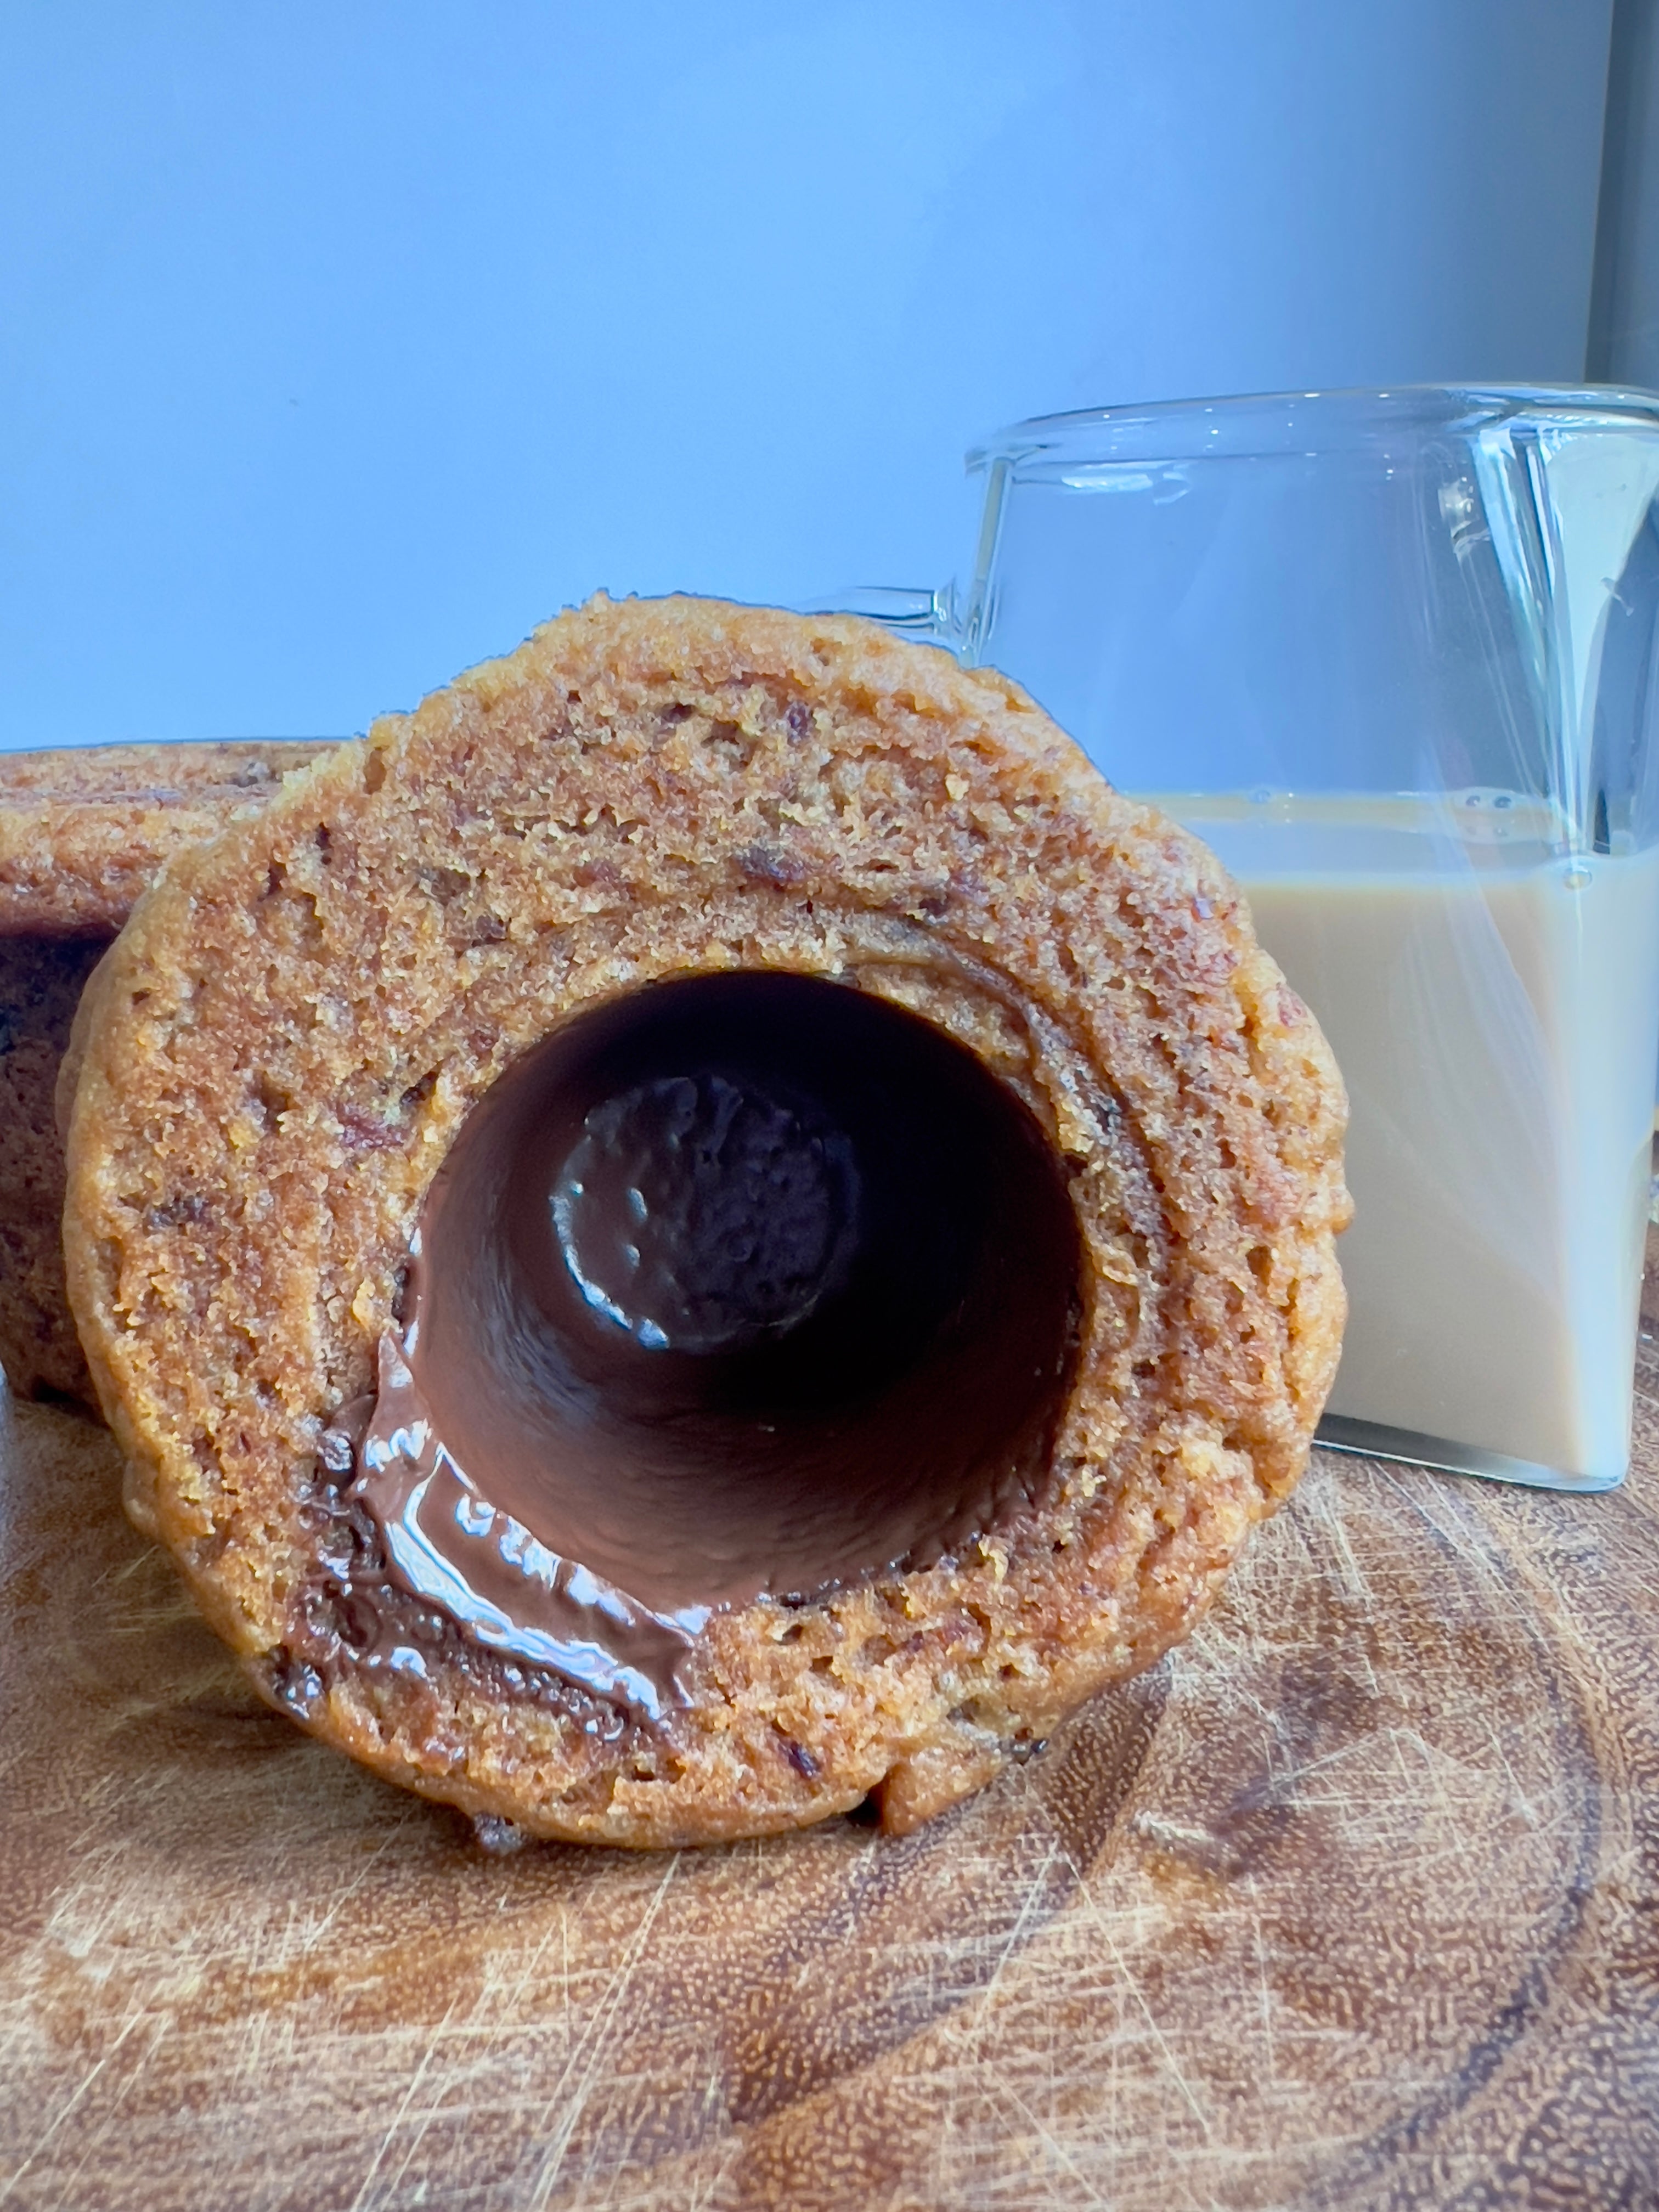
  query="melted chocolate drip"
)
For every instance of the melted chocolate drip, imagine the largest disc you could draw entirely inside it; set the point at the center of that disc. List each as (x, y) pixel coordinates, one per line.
(740, 1284)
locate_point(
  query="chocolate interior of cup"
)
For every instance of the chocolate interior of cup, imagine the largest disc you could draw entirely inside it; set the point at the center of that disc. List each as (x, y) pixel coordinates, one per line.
(747, 1282)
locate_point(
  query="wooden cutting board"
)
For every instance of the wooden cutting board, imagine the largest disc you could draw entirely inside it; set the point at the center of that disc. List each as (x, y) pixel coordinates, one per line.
(1354, 1902)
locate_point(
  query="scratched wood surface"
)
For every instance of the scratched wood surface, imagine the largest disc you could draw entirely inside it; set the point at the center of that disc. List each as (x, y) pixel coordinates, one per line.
(1355, 1902)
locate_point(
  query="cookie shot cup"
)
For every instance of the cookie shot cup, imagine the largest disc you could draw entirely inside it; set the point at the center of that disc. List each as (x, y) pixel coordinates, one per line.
(706, 1229)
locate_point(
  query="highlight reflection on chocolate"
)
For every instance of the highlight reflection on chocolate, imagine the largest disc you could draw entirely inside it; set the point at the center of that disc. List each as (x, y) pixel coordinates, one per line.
(739, 1284)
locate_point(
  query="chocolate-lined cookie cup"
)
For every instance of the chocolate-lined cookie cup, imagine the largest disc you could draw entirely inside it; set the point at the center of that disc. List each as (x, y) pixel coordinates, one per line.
(706, 1227)
(82, 832)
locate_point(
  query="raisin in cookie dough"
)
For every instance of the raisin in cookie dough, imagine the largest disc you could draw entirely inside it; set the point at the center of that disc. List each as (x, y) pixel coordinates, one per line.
(82, 832)
(707, 1227)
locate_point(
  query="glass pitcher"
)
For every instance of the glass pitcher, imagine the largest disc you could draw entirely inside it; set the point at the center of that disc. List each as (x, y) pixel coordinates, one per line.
(1393, 655)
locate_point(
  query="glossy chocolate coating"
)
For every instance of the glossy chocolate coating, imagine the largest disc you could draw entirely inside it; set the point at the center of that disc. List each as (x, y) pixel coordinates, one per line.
(739, 1284)
(701, 1215)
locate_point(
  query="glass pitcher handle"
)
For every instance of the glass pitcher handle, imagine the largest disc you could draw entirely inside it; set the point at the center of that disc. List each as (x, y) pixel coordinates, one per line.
(926, 617)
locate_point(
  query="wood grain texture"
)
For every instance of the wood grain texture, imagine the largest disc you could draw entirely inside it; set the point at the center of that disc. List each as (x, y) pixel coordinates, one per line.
(1354, 1902)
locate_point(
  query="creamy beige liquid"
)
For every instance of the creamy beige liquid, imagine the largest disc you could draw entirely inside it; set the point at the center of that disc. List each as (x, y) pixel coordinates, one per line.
(1494, 1011)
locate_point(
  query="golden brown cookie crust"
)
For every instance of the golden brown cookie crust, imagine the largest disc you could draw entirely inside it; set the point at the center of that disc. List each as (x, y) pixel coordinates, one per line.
(82, 832)
(281, 1045)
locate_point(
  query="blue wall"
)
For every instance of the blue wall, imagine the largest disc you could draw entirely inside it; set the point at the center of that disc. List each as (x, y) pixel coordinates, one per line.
(1624, 342)
(342, 341)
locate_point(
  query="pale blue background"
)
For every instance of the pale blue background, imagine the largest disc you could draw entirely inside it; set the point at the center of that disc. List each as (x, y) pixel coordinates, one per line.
(1624, 342)
(340, 342)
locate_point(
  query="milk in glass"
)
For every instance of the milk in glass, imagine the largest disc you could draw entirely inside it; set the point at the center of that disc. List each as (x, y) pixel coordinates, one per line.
(1476, 988)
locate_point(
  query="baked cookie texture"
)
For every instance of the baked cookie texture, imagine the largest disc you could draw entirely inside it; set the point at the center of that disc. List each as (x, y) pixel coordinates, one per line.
(82, 832)
(278, 1052)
